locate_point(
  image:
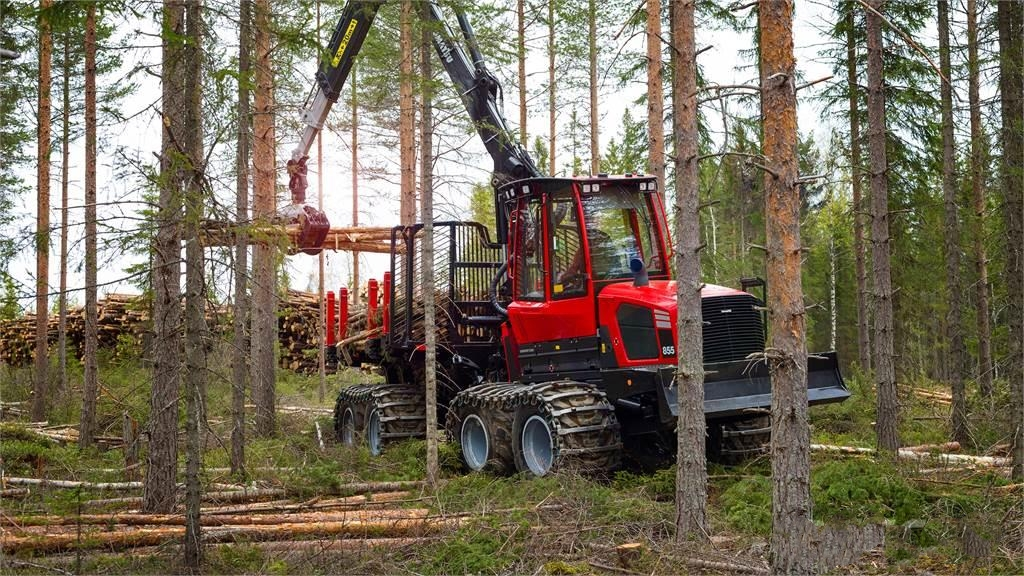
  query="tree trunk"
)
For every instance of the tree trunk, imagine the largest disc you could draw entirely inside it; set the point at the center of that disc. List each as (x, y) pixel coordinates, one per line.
(90, 386)
(595, 140)
(887, 418)
(521, 57)
(321, 348)
(1010, 19)
(956, 352)
(240, 348)
(407, 117)
(691, 468)
(863, 332)
(62, 326)
(655, 97)
(792, 525)
(264, 305)
(427, 213)
(196, 336)
(41, 384)
(162, 457)
(551, 89)
(978, 196)
(355, 182)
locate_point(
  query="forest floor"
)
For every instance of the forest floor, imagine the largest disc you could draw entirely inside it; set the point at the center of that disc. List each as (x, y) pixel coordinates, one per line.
(338, 510)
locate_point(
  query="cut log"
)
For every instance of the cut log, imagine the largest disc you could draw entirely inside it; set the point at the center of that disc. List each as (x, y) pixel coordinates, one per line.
(373, 487)
(121, 519)
(131, 538)
(949, 459)
(924, 448)
(14, 493)
(47, 483)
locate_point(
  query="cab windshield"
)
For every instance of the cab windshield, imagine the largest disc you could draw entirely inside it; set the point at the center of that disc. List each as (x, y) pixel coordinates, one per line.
(620, 226)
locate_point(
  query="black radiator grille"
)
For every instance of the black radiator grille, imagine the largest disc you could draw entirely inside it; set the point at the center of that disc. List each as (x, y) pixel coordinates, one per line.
(732, 327)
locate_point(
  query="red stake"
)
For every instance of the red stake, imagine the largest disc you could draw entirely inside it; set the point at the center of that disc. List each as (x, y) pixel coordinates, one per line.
(371, 304)
(387, 303)
(342, 313)
(330, 318)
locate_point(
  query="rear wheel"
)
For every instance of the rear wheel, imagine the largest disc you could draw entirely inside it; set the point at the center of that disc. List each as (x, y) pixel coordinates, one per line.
(348, 427)
(350, 411)
(374, 433)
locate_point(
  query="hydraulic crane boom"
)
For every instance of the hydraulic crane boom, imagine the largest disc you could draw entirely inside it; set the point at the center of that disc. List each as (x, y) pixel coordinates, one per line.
(478, 88)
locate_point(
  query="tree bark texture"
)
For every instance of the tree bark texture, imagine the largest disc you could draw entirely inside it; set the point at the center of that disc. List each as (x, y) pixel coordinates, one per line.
(521, 58)
(41, 380)
(196, 336)
(655, 97)
(863, 330)
(551, 89)
(887, 417)
(355, 182)
(954, 323)
(792, 526)
(427, 213)
(162, 457)
(595, 140)
(264, 304)
(240, 340)
(62, 326)
(90, 388)
(1010, 21)
(978, 198)
(691, 468)
(407, 117)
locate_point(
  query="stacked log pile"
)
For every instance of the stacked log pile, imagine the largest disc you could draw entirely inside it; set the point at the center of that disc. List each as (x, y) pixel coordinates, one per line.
(298, 325)
(120, 316)
(124, 321)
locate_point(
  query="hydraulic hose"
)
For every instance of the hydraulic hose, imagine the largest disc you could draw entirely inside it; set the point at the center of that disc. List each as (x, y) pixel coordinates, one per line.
(494, 290)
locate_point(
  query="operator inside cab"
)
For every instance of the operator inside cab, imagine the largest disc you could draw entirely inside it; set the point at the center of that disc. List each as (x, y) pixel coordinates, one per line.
(619, 228)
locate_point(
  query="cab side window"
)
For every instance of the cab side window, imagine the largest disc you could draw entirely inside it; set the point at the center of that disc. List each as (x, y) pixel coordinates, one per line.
(530, 252)
(568, 260)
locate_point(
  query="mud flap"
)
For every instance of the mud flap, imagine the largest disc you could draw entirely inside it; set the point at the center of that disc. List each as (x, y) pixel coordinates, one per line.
(733, 388)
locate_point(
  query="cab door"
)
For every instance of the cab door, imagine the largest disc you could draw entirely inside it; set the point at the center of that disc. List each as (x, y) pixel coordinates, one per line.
(552, 317)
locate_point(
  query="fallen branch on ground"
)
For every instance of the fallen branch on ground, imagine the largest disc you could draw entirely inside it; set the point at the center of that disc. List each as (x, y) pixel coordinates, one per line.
(953, 459)
(214, 519)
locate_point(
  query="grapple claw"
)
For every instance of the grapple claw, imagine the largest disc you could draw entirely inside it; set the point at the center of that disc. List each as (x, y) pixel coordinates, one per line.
(314, 227)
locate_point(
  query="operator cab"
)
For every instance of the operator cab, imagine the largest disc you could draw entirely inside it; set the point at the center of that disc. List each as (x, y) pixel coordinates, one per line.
(570, 238)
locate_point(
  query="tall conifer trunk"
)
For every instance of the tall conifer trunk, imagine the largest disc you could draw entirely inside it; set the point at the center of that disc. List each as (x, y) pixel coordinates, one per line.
(355, 181)
(551, 89)
(691, 468)
(595, 140)
(427, 213)
(240, 349)
(978, 198)
(863, 330)
(407, 117)
(655, 97)
(887, 417)
(264, 304)
(195, 285)
(62, 326)
(1010, 21)
(91, 368)
(521, 58)
(792, 526)
(162, 457)
(41, 380)
(954, 323)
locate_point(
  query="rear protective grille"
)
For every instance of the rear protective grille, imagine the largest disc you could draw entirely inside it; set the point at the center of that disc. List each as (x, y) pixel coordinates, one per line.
(732, 328)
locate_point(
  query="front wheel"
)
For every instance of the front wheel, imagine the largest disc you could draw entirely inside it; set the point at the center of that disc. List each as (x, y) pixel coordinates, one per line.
(534, 443)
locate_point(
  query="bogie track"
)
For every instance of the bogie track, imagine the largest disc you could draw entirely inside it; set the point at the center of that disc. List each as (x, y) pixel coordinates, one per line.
(536, 428)
(379, 414)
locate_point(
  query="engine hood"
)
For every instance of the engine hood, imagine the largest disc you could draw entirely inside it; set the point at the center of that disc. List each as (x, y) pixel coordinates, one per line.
(658, 294)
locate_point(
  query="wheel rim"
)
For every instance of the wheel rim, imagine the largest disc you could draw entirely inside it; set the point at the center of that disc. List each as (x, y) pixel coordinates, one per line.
(373, 433)
(348, 428)
(538, 453)
(475, 442)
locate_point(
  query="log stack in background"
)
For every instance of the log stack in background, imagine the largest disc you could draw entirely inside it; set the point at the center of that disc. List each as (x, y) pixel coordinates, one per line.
(298, 325)
(124, 324)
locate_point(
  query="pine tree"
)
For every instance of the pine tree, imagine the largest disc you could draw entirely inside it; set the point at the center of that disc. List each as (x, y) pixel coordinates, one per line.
(40, 387)
(691, 471)
(91, 385)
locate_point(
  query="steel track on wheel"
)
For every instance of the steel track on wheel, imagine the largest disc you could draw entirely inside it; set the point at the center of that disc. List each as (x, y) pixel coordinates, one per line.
(585, 429)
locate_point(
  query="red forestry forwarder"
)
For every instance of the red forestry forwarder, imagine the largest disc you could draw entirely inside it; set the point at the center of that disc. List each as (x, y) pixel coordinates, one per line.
(556, 340)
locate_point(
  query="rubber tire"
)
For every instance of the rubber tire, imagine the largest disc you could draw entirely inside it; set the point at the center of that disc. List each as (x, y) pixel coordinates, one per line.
(523, 416)
(359, 413)
(499, 445)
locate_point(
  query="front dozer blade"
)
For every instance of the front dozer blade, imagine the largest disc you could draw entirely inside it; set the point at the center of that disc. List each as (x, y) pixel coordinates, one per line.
(734, 388)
